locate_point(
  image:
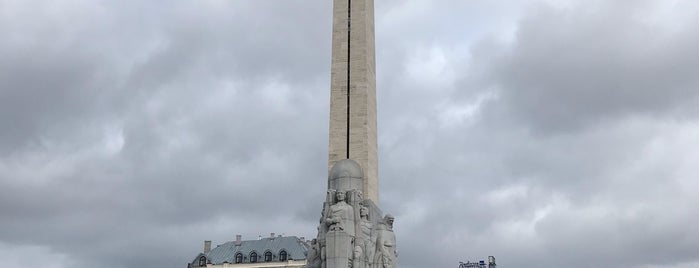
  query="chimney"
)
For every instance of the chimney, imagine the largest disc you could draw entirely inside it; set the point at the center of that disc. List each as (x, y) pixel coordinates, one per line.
(238, 239)
(271, 235)
(207, 246)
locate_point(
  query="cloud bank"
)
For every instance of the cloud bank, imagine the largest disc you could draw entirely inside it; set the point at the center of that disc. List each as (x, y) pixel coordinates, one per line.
(554, 134)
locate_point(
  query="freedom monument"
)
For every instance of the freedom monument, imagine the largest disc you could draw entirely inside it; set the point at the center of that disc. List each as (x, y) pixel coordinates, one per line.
(352, 231)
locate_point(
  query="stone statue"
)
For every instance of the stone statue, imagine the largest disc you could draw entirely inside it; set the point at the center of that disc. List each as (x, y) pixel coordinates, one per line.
(386, 253)
(341, 215)
(364, 244)
(349, 234)
(323, 229)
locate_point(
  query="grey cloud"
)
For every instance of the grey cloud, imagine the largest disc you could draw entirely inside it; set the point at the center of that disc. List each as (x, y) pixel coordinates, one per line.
(142, 84)
(570, 68)
(145, 129)
(594, 177)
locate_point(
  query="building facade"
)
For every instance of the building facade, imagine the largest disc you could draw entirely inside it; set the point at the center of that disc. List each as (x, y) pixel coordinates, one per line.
(279, 251)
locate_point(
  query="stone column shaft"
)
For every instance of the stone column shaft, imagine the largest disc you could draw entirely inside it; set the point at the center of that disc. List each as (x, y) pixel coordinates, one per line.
(362, 90)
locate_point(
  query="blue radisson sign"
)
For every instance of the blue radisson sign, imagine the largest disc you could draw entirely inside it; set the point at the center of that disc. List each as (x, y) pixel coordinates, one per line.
(479, 264)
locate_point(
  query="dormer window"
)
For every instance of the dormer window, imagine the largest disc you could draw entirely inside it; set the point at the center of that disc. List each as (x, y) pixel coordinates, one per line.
(268, 256)
(239, 257)
(282, 255)
(202, 261)
(253, 257)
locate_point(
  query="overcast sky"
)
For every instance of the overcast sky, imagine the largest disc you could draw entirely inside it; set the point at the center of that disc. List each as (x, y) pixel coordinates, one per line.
(546, 133)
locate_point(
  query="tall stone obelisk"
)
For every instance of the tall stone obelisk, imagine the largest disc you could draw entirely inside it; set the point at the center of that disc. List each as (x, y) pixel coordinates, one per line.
(353, 232)
(353, 90)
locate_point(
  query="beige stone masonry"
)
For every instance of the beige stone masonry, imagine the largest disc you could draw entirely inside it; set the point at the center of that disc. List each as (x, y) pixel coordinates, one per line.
(363, 134)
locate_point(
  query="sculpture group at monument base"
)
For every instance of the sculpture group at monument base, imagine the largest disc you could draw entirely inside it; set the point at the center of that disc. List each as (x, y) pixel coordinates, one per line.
(351, 230)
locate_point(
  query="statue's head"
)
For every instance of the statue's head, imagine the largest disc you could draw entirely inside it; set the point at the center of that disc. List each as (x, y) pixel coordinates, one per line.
(388, 219)
(363, 211)
(340, 195)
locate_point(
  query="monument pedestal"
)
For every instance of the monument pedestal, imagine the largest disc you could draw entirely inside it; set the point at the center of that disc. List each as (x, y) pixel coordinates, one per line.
(339, 249)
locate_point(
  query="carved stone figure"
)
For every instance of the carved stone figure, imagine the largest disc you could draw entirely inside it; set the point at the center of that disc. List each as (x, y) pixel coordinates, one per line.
(322, 229)
(386, 253)
(341, 216)
(349, 238)
(364, 242)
